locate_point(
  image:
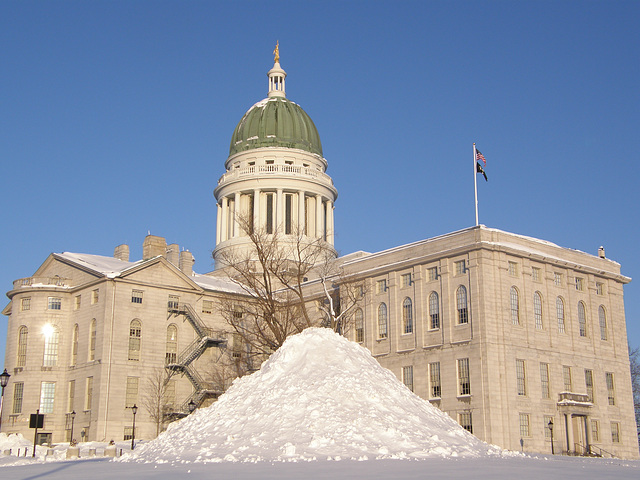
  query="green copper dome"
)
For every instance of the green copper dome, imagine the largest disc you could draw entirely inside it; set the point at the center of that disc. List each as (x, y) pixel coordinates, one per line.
(275, 122)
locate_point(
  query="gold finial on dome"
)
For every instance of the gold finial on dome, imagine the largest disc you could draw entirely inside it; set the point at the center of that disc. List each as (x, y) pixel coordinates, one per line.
(276, 53)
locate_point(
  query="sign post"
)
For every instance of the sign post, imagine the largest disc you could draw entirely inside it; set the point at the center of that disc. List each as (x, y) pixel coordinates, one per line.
(36, 420)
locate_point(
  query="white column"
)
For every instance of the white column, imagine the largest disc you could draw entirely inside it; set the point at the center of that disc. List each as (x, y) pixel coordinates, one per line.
(236, 212)
(330, 222)
(224, 234)
(301, 213)
(319, 218)
(256, 210)
(218, 222)
(279, 209)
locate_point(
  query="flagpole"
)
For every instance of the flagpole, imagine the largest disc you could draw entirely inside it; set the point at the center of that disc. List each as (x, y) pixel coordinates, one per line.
(475, 180)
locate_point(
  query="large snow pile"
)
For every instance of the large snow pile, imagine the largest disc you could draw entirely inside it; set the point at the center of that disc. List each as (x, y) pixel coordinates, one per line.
(319, 396)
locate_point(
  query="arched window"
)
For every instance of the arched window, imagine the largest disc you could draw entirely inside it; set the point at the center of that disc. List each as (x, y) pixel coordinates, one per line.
(171, 352)
(92, 340)
(135, 333)
(537, 310)
(602, 317)
(74, 345)
(434, 310)
(515, 306)
(22, 346)
(407, 315)
(560, 314)
(51, 342)
(582, 319)
(359, 321)
(382, 321)
(461, 302)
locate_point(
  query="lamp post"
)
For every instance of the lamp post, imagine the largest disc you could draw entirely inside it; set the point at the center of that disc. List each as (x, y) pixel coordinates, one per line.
(4, 380)
(551, 430)
(73, 419)
(134, 409)
(192, 406)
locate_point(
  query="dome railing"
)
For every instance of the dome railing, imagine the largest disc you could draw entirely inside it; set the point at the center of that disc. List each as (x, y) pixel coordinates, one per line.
(293, 170)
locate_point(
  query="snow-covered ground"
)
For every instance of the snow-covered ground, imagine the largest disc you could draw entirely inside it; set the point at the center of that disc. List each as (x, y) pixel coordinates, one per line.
(320, 407)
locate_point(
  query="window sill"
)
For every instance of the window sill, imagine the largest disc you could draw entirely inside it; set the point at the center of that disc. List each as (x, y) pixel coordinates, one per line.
(464, 397)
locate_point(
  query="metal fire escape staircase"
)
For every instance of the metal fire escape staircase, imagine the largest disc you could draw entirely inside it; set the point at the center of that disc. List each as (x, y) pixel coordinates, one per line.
(206, 338)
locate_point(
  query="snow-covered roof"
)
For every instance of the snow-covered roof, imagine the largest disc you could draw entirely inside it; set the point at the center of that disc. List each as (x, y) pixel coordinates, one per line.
(217, 284)
(108, 266)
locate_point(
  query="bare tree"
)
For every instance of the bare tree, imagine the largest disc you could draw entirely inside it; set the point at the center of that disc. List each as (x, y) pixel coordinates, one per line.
(234, 363)
(156, 399)
(634, 360)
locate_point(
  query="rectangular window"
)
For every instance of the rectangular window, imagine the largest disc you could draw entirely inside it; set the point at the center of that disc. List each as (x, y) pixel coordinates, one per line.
(460, 267)
(407, 377)
(513, 269)
(544, 380)
(288, 214)
(432, 273)
(464, 381)
(434, 380)
(521, 377)
(76, 302)
(131, 396)
(557, 279)
(18, 395)
(128, 433)
(136, 296)
(71, 394)
(566, 378)
(535, 274)
(588, 380)
(172, 303)
(269, 225)
(381, 286)
(525, 431)
(611, 392)
(595, 431)
(406, 280)
(465, 421)
(47, 395)
(25, 304)
(207, 306)
(55, 303)
(547, 430)
(615, 432)
(95, 296)
(88, 397)
(579, 284)
(599, 288)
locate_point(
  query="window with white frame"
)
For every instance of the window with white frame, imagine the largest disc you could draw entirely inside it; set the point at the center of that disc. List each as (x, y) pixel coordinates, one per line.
(434, 310)
(382, 321)
(18, 395)
(432, 273)
(23, 333)
(406, 279)
(407, 315)
(407, 377)
(359, 325)
(135, 336)
(47, 396)
(171, 347)
(131, 394)
(611, 391)
(173, 302)
(25, 304)
(535, 274)
(136, 296)
(599, 288)
(128, 432)
(579, 284)
(544, 380)
(602, 318)
(77, 301)
(513, 269)
(88, 393)
(464, 380)
(560, 314)
(92, 340)
(51, 343)
(525, 431)
(465, 421)
(566, 378)
(557, 279)
(595, 430)
(460, 267)
(461, 304)
(582, 319)
(588, 381)
(434, 380)
(521, 377)
(381, 286)
(515, 306)
(54, 303)
(615, 432)
(74, 345)
(207, 306)
(537, 310)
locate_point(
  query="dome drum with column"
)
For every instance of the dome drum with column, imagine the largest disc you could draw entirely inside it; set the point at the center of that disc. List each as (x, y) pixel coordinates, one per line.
(275, 176)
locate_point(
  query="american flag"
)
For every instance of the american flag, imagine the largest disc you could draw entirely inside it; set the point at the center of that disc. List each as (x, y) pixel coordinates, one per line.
(480, 156)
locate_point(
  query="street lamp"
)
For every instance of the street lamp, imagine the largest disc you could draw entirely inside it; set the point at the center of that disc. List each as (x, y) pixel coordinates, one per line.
(134, 409)
(4, 380)
(73, 419)
(551, 430)
(192, 406)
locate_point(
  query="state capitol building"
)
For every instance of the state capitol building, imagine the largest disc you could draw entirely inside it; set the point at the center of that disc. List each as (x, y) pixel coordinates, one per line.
(522, 341)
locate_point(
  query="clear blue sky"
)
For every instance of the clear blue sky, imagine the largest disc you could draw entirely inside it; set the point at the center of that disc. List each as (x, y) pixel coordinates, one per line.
(116, 117)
